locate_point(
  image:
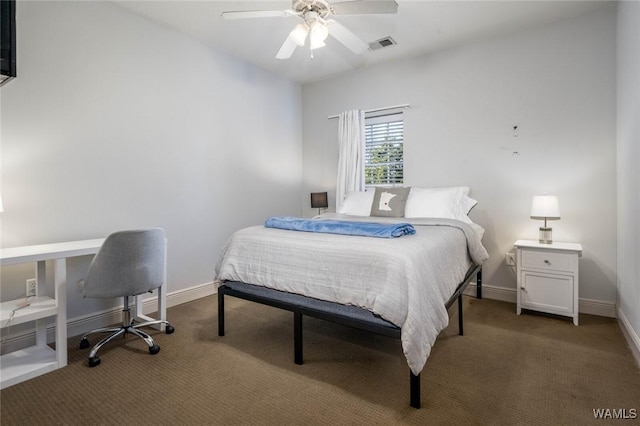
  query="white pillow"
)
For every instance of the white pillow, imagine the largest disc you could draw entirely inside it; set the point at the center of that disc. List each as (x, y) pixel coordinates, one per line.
(357, 203)
(447, 203)
(466, 204)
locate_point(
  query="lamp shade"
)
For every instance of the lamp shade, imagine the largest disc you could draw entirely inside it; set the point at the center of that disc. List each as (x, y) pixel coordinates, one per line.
(319, 200)
(545, 207)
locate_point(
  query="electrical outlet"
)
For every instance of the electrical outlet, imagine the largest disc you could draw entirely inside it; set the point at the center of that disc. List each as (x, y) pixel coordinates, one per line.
(32, 288)
(510, 258)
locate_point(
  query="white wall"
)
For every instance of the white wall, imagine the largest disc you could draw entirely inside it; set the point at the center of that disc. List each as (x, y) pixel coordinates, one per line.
(556, 83)
(115, 122)
(628, 113)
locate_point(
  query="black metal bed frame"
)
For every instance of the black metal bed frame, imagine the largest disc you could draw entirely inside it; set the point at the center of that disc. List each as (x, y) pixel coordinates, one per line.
(351, 316)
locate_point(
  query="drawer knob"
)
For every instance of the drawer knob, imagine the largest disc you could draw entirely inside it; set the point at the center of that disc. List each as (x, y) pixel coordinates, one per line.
(547, 262)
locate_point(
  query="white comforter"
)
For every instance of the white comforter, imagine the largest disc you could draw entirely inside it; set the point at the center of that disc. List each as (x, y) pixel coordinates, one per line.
(405, 280)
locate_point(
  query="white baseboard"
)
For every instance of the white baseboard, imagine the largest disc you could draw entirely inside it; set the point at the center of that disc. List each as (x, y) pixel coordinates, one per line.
(493, 292)
(80, 325)
(598, 307)
(630, 334)
(587, 306)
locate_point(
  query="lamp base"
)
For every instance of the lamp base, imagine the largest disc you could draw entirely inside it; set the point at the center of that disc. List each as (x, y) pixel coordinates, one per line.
(545, 235)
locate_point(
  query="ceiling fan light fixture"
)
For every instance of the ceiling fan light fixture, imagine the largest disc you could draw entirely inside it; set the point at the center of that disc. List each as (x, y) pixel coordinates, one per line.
(299, 34)
(318, 33)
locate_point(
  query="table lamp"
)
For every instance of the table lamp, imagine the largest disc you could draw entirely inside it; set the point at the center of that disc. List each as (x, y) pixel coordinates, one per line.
(319, 200)
(545, 207)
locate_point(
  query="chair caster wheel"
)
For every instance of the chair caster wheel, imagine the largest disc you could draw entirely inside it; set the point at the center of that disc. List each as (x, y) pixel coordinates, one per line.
(84, 343)
(154, 349)
(169, 329)
(93, 362)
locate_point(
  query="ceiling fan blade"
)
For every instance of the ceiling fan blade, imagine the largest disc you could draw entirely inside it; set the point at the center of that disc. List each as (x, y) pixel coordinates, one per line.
(363, 7)
(248, 14)
(287, 49)
(346, 37)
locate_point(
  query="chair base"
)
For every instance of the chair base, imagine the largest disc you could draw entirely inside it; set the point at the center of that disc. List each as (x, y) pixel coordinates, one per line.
(128, 326)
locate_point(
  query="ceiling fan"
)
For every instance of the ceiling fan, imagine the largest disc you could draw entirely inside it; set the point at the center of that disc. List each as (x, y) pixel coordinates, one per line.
(317, 24)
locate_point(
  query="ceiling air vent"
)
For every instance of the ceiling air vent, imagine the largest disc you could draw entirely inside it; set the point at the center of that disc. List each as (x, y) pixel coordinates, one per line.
(383, 42)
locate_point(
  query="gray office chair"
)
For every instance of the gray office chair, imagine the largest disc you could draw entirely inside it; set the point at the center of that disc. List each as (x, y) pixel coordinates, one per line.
(128, 263)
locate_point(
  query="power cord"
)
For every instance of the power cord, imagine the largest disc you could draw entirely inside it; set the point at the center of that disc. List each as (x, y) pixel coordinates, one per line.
(21, 305)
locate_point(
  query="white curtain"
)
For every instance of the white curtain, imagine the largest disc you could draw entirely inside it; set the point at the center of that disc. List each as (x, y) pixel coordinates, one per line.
(351, 154)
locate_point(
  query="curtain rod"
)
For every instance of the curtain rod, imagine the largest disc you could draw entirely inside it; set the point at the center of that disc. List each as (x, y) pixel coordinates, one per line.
(375, 110)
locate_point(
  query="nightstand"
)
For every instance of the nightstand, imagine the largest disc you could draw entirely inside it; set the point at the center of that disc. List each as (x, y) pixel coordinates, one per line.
(548, 277)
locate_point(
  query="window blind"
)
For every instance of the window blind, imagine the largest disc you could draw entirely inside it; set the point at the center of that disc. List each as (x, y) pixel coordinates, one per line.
(384, 137)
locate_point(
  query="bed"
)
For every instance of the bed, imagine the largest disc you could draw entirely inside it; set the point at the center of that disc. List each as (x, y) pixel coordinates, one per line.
(398, 287)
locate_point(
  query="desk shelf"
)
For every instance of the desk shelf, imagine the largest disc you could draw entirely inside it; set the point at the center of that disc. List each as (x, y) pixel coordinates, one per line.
(39, 308)
(33, 361)
(25, 364)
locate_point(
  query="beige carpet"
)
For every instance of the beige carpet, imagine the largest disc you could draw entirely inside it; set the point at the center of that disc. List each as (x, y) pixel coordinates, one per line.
(507, 370)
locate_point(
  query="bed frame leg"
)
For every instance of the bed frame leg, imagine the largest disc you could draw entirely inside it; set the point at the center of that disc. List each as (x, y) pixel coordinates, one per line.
(415, 390)
(460, 319)
(479, 284)
(220, 314)
(297, 338)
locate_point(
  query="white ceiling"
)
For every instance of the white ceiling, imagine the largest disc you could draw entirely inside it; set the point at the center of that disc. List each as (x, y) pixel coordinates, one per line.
(419, 27)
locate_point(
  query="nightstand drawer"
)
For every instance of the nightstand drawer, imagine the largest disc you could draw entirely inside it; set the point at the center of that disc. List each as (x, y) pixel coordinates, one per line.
(550, 261)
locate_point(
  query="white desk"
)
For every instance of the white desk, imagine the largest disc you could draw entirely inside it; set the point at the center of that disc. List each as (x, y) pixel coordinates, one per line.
(21, 365)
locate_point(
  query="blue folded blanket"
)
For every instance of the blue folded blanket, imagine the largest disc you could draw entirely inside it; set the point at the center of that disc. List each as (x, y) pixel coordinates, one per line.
(343, 227)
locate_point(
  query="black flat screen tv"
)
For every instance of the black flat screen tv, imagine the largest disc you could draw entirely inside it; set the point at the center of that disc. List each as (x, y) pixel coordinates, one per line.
(7, 40)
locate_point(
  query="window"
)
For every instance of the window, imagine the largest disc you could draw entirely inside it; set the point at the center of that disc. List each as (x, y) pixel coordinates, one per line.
(383, 154)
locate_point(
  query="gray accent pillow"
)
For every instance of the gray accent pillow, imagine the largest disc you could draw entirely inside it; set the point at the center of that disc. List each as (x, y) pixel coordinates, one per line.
(389, 202)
